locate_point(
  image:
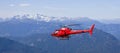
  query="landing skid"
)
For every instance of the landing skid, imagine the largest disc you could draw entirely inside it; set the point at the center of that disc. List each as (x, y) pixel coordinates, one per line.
(64, 38)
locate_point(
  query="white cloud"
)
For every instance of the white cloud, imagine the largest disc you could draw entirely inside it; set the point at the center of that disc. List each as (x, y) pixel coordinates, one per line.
(20, 5)
(24, 5)
(12, 5)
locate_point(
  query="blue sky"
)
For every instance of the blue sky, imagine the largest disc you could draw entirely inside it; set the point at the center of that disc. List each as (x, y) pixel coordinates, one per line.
(95, 9)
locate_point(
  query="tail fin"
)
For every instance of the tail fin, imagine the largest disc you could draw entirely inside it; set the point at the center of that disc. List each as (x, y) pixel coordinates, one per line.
(91, 29)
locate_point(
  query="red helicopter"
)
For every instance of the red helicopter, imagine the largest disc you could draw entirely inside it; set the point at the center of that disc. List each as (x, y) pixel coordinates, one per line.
(65, 31)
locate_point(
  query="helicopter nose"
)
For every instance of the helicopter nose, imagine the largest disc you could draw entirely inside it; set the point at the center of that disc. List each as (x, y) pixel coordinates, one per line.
(53, 34)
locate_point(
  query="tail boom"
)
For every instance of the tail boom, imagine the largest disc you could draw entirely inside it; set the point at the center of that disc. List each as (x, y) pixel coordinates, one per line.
(90, 31)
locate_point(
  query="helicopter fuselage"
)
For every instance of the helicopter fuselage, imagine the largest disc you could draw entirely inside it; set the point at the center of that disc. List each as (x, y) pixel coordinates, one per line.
(64, 32)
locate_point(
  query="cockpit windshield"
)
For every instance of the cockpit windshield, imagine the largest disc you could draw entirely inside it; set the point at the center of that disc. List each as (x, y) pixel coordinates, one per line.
(56, 31)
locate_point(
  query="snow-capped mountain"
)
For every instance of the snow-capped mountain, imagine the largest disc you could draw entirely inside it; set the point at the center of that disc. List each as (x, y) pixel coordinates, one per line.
(39, 17)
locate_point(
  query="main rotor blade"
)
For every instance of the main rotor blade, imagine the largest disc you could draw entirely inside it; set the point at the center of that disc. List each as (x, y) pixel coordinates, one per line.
(69, 25)
(73, 24)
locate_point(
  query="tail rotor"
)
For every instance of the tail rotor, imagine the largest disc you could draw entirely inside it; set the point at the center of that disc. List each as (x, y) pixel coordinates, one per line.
(91, 29)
